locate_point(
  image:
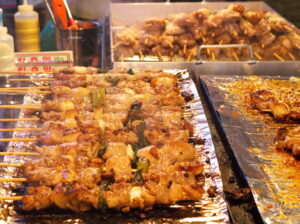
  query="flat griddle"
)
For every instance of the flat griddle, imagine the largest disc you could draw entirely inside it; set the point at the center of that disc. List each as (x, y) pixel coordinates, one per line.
(251, 140)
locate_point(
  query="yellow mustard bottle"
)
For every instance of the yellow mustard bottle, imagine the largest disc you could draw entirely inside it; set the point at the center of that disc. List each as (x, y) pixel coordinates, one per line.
(27, 29)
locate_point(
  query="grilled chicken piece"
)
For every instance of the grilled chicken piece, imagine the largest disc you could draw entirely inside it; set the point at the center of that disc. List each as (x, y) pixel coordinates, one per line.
(75, 197)
(289, 139)
(277, 23)
(202, 14)
(58, 105)
(173, 29)
(121, 135)
(253, 16)
(154, 25)
(37, 198)
(120, 168)
(247, 28)
(264, 101)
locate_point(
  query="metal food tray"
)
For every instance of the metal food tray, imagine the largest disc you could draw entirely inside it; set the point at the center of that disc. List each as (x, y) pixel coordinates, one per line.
(208, 209)
(142, 11)
(268, 172)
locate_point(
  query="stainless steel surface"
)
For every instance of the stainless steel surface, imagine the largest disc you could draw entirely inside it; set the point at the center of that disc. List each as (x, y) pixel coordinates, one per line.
(222, 68)
(208, 209)
(122, 13)
(251, 139)
(215, 46)
(84, 42)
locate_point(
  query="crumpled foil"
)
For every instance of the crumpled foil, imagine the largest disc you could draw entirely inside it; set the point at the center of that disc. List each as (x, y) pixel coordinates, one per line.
(207, 210)
(273, 175)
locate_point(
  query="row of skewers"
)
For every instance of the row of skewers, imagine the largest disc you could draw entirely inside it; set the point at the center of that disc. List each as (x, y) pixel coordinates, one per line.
(115, 140)
(181, 35)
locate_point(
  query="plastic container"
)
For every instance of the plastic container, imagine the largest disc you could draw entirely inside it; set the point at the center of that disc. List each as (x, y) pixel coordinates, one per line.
(27, 29)
(7, 54)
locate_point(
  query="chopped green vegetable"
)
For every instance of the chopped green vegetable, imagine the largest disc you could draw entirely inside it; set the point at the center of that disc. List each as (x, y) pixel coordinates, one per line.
(102, 144)
(134, 114)
(140, 133)
(102, 204)
(86, 100)
(102, 70)
(143, 165)
(105, 183)
(98, 97)
(130, 71)
(138, 177)
(113, 80)
(135, 148)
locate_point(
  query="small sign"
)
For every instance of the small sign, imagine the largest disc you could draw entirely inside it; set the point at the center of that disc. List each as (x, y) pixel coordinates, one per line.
(43, 61)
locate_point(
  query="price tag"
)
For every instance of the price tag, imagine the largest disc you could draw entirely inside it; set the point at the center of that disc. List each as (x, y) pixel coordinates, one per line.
(43, 61)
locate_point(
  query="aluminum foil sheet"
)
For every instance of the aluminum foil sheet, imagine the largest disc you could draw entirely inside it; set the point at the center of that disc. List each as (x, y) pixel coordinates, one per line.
(207, 210)
(273, 176)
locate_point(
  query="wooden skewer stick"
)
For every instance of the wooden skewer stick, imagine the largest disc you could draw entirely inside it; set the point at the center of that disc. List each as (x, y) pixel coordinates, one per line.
(278, 57)
(19, 153)
(159, 56)
(141, 55)
(213, 57)
(258, 56)
(32, 80)
(291, 56)
(19, 119)
(208, 51)
(11, 198)
(235, 56)
(184, 49)
(10, 164)
(298, 46)
(170, 44)
(13, 179)
(20, 129)
(24, 91)
(18, 139)
(190, 57)
(25, 87)
(221, 42)
(22, 106)
(117, 44)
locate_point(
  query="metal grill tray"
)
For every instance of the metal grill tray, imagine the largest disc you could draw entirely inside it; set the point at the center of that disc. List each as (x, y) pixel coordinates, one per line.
(267, 171)
(211, 210)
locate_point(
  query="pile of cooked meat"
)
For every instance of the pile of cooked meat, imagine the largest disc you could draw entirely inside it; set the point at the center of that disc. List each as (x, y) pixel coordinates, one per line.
(279, 98)
(112, 140)
(180, 35)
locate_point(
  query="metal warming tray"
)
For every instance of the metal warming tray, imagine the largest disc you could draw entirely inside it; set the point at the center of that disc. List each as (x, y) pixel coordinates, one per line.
(142, 11)
(210, 209)
(268, 172)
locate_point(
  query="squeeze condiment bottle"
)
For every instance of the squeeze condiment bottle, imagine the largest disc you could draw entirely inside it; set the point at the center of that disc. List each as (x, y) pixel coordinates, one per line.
(27, 28)
(7, 54)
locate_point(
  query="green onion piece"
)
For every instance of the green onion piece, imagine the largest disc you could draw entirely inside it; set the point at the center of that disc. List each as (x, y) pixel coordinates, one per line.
(143, 165)
(135, 148)
(140, 133)
(113, 80)
(130, 71)
(138, 177)
(102, 204)
(102, 70)
(98, 97)
(102, 144)
(105, 183)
